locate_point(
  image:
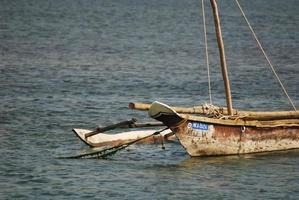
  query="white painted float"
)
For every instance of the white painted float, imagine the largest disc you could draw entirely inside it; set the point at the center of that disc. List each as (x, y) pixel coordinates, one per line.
(104, 139)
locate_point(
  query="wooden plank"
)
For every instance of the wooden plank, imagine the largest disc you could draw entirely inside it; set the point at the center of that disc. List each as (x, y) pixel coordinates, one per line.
(111, 127)
(246, 115)
(190, 110)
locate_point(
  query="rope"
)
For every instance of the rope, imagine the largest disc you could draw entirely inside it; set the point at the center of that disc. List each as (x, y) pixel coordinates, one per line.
(212, 111)
(206, 49)
(265, 55)
(216, 112)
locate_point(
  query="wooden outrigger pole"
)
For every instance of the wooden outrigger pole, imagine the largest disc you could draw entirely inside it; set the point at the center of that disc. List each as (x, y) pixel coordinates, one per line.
(241, 114)
(222, 57)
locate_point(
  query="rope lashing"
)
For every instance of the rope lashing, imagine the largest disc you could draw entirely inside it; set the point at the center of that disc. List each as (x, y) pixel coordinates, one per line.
(213, 111)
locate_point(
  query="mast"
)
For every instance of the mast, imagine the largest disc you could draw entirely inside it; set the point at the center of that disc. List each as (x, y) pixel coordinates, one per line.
(222, 57)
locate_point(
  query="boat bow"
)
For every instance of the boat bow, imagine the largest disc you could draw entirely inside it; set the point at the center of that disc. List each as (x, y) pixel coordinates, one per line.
(165, 114)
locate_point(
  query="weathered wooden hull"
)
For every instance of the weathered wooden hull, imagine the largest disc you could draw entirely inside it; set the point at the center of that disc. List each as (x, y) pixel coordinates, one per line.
(203, 139)
(204, 136)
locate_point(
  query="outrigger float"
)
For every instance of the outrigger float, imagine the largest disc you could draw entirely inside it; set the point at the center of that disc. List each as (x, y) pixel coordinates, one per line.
(104, 145)
(98, 137)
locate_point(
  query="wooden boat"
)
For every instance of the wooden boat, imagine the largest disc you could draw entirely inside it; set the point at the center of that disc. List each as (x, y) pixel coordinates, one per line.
(102, 139)
(205, 136)
(225, 131)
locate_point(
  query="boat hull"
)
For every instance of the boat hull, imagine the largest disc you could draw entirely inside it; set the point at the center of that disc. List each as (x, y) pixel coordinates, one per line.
(204, 136)
(204, 139)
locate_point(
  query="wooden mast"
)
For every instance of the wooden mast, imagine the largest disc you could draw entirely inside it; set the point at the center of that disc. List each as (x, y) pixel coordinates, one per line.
(222, 57)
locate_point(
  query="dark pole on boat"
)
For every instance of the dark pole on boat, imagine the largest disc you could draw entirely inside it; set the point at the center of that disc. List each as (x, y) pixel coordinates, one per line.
(222, 57)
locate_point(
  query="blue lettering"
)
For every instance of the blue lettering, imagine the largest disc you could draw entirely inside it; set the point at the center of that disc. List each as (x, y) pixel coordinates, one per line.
(200, 126)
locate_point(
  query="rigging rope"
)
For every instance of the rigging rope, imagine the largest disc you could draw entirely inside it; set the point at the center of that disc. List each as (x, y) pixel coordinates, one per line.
(206, 49)
(265, 55)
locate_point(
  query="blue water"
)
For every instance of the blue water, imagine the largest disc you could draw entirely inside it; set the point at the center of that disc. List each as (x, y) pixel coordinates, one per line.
(78, 63)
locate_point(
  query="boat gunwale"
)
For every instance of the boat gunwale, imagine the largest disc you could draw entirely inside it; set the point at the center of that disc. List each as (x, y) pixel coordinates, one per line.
(242, 122)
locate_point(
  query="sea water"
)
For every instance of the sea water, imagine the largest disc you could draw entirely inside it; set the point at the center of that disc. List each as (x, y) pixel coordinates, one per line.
(78, 63)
